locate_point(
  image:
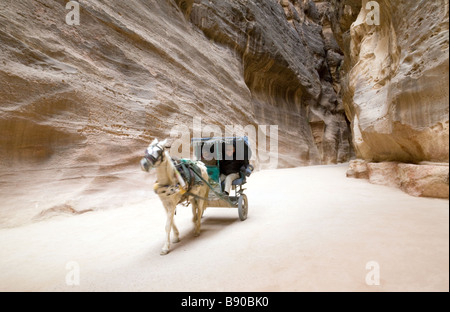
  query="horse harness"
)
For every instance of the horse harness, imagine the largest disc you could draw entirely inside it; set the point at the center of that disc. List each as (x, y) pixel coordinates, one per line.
(153, 160)
(191, 175)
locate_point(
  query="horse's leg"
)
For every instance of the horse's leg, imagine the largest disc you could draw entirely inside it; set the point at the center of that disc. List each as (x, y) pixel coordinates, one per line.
(200, 206)
(175, 232)
(198, 223)
(197, 218)
(205, 202)
(170, 210)
(194, 212)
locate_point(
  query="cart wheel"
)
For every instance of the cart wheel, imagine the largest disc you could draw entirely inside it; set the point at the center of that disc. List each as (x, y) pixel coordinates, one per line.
(243, 207)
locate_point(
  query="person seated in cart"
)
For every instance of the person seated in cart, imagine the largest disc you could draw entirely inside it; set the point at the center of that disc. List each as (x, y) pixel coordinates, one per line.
(230, 167)
(208, 157)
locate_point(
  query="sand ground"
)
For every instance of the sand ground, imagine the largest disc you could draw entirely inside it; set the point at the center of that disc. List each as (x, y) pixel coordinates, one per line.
(308, 229)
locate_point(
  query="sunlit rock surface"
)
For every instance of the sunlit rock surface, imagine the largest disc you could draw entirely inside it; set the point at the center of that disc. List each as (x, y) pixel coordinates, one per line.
(395, 79)
(99, 91)
(394, 82)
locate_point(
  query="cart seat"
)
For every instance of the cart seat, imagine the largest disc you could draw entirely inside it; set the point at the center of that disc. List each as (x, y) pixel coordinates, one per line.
(238, 181)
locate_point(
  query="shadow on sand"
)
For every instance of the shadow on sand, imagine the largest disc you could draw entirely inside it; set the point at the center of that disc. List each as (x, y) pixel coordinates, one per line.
(210, 226)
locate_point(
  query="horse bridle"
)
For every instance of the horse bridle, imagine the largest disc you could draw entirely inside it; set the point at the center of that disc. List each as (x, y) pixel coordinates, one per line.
(152, 159)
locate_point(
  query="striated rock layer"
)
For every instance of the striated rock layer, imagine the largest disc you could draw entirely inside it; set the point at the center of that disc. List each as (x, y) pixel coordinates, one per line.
(98, 92)
(395, 81)
(79, 103)
(289, 58)
(76, 95)
(395, 78)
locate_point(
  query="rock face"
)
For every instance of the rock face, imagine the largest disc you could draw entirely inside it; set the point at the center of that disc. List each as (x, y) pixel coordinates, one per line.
(395, 78)
(421, 180)
(80, 103)
(424, 180)
(395, 90)
(99, 91)
(357, 169)
(85, 99)
(290, 61)
(96, 93)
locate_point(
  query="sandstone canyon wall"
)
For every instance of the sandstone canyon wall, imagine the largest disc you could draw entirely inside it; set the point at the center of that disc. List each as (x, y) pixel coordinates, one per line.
(77, 95)
(79, 103)
(395, 89)
(289, 59)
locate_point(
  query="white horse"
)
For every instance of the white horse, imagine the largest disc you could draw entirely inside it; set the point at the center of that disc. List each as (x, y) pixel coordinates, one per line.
(173, 190)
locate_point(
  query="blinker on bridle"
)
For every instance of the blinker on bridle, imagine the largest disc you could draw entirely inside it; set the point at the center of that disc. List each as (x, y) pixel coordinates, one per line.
(152, 159)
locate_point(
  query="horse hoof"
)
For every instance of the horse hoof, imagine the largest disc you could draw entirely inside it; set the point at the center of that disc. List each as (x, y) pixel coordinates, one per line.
(196, 234)
(164, 252)
(176, 240)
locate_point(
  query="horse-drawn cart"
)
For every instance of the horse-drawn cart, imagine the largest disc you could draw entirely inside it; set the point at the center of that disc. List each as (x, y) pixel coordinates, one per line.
(200, 183)
(211, 151)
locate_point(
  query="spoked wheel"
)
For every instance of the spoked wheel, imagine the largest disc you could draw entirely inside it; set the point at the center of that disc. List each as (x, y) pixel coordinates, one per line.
(243, 207)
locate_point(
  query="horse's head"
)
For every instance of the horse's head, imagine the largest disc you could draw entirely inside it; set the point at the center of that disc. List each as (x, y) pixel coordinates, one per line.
(154, 155)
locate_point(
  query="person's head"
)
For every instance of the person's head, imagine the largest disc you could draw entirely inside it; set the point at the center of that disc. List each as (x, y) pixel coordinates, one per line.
(206, 153)
(229, 150)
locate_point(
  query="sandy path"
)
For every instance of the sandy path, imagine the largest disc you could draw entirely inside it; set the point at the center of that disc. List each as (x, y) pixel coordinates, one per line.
(317, 233)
